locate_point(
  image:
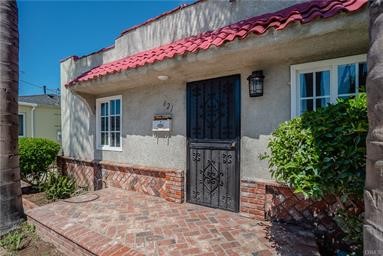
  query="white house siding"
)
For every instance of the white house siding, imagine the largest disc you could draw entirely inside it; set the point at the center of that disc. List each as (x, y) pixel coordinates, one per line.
(144, 95)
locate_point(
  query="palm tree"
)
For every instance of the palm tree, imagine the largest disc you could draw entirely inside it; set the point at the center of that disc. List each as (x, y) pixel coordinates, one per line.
(373, 226)
(11, 208)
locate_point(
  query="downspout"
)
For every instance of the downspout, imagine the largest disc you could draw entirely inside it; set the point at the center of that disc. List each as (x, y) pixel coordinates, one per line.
(32, 122)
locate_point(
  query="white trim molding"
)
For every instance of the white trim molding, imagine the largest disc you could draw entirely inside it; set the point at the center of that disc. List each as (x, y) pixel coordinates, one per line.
(330, 65)
(21, 103)
(99, 101)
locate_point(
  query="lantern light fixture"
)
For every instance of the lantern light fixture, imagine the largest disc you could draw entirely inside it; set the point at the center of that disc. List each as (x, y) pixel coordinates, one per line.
(256, 83)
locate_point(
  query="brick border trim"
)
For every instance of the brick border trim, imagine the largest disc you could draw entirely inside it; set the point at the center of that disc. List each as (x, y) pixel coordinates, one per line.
(270, 200)
(161, 182)
(252, 199)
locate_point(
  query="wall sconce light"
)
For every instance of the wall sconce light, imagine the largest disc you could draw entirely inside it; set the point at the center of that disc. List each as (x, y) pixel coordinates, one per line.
(256, 83)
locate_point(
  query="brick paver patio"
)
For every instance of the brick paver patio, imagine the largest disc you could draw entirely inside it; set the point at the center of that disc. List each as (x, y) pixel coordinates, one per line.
(119, 222)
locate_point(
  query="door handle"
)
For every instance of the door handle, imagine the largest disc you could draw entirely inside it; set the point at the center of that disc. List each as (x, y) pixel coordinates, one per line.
(233, 144)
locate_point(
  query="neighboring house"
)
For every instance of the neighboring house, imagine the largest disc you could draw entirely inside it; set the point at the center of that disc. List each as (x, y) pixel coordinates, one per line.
(40, 116)
(167, 110)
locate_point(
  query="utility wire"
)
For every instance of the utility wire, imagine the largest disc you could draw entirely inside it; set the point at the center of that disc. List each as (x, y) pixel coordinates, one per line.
(39, 86)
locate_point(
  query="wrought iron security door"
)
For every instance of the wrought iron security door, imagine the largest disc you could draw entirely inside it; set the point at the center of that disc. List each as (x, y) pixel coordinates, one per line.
(213, 130)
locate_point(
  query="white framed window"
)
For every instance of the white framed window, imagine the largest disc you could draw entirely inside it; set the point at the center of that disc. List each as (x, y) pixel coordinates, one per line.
(109, 123)
(316, 84)
(21, 124)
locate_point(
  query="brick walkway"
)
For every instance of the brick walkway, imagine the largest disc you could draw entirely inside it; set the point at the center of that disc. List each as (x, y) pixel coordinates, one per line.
(120, 222)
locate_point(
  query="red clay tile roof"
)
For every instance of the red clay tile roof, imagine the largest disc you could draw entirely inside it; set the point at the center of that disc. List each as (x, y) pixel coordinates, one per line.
(303, 13)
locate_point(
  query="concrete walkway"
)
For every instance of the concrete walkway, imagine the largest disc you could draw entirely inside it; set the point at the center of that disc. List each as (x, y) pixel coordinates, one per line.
(118, 222)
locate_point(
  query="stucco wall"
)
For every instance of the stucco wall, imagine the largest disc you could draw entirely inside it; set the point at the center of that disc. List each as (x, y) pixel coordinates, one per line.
(143, 94)
(203, 16)
(140, 145)
(198, 18)
(259, 117)
(47, 121)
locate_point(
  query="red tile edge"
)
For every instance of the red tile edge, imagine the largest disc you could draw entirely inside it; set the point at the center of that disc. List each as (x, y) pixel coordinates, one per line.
(303, 13)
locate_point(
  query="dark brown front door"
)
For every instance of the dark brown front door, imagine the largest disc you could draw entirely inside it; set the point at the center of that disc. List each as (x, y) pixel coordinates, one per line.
(213, 131)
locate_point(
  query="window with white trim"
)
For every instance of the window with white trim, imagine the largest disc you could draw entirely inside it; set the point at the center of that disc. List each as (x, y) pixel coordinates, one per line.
(21, 124)
(317, 84)
(109, 123)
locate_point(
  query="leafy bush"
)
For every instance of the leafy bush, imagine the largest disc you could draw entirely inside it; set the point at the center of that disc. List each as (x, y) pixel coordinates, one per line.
(58, 186)
(322, 153)
(18, 238)
(36, 155)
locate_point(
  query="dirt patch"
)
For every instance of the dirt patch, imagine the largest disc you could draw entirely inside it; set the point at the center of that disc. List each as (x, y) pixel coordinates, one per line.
(38, 198)
(24, 241)
(38, 247)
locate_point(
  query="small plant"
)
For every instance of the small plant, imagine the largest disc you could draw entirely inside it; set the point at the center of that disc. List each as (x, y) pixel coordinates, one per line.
(58, 186)
(18, 238)
(36, 155)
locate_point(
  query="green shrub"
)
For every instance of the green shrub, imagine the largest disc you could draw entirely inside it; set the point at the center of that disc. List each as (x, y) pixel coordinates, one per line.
(323, 153)
(36, 155)
(18, 238)
(58, 186)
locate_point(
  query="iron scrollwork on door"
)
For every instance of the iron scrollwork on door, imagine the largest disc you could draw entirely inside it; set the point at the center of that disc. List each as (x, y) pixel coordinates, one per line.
(213, 135)
(226, 158)
(211, 176)
(196, 156)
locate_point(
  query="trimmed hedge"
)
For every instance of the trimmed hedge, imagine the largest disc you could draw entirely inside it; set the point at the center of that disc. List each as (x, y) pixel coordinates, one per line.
(323, 153)
(36, 155)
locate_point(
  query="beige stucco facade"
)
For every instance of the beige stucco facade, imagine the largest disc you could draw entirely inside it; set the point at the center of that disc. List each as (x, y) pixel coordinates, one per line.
(41, 121)
(143, 94)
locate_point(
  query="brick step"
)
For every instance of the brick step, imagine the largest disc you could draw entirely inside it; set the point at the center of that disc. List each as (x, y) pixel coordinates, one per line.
(74, 239)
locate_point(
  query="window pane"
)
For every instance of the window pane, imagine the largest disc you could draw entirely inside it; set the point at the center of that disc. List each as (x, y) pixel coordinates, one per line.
(112, 139)
(362, 76)
(322, 83)
(104, 109)
(103, 123)
(322, 102)
(21, 125)
(306, 85)
(118, 143)
(112, 107)
(118, 107)
(112, 123)
(307, 105)
(346, 79)
(118, 124)
(104, 138)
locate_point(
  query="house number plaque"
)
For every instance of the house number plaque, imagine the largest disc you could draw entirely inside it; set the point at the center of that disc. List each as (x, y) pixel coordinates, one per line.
(161, 123)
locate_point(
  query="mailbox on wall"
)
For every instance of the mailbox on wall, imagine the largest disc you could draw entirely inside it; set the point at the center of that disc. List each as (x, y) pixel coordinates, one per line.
(162, 123)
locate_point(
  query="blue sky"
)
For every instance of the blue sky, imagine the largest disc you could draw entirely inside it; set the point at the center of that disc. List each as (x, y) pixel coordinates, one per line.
(52, 30)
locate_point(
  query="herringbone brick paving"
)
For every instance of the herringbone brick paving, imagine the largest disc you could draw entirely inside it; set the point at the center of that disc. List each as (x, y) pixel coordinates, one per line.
(130, 221)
